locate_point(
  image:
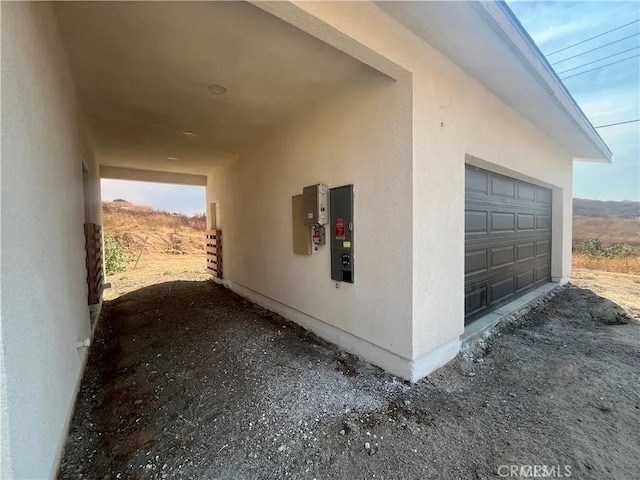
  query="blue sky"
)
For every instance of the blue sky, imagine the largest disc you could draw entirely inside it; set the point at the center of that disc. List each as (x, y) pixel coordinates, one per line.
(606, 95)
(161, 196)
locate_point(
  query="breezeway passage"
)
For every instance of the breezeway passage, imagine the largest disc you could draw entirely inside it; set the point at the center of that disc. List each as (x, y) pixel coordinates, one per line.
(256, 102)
(188, 380)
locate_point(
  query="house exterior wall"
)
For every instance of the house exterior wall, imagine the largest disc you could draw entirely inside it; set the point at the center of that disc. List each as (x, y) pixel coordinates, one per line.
(360, 135)
(455, 120)
(43, 275)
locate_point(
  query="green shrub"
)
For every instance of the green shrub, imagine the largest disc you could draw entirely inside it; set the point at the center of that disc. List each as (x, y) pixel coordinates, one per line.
(115, 260)
(592, 247)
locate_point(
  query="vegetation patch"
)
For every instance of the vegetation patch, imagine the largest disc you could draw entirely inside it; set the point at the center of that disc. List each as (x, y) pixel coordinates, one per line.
(593, 255)
(115, 259)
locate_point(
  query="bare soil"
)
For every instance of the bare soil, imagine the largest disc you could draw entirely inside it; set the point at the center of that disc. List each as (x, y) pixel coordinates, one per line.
(156, 268)
(187, 380)
(139, 228)
(620, 288)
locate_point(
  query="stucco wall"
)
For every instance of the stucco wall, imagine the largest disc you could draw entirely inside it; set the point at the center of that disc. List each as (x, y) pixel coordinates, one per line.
(43, 276)
(453, 116)
(360, 135)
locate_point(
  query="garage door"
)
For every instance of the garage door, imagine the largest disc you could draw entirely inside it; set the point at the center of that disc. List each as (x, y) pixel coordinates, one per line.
(507, 239)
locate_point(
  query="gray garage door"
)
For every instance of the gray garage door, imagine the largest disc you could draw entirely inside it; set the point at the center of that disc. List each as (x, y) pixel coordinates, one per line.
(507, 239)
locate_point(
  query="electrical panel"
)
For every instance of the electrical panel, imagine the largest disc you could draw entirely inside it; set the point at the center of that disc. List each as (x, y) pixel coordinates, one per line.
(341, 233)
(316, 205)
(318, 235)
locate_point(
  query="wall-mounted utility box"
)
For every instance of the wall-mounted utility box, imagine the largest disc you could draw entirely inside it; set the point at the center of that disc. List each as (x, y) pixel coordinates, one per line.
(301, 232)
(316, 205)
(341, 233)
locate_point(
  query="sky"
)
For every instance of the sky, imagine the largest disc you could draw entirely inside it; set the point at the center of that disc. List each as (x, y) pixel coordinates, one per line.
(161, 196)
(606, 95)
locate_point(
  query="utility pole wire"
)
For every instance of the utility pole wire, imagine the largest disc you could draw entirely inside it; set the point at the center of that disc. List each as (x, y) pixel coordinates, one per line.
(619, 123)
(591, 38)
(599, 60)
(597, 48)
(601, 66)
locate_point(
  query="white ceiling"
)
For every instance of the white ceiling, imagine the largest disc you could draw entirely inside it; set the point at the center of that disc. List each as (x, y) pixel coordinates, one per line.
(142, 70)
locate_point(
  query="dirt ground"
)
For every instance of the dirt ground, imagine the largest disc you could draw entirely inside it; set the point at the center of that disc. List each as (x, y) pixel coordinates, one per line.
(156, 268)
(187, 380)
(621, 288)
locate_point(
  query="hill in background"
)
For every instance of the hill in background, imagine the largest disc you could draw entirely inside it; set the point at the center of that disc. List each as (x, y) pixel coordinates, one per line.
(611, 222)
(165, 232)
(597, 208)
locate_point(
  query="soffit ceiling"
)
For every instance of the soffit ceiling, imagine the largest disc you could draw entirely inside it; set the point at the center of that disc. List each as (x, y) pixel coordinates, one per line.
(142, 70)
(463, 32)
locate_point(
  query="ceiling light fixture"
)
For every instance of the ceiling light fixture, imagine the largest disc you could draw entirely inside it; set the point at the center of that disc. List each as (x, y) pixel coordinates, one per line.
(188, 133)
(217, 89)
(172, 158)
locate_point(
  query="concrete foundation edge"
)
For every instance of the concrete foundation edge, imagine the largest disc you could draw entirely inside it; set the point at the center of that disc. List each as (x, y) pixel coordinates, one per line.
(412, 370)
(423, 366)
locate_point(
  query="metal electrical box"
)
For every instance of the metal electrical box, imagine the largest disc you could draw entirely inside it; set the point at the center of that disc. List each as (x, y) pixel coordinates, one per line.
(316, 205)
(341, 233)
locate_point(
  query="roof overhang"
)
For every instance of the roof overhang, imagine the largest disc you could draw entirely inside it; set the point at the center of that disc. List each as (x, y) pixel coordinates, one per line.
(154, 176)
(488, 42)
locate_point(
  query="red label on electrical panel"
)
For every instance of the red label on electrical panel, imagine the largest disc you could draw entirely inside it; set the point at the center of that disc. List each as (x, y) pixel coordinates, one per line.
(340, 229)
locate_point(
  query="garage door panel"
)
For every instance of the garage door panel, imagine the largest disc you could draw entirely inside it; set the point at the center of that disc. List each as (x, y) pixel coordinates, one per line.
(502, 256)
(526, 222)
(543, 196)
(524, 280)
(543, 222)
(476, 181)
(526, 192)
(501, 290)
(502, 239)
(476, 261)
(475, 222)
(503, 222)
(543, 247)
(475, 280)
(507, 239)
(542, 274)
(525, 251)
(475, 301)
(503, 186)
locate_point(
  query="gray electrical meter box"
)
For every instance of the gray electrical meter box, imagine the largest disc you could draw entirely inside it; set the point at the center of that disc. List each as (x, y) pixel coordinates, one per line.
(316, 205)
(341, 233)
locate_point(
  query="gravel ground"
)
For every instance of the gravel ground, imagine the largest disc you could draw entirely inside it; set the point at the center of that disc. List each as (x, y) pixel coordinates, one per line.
(187, 380)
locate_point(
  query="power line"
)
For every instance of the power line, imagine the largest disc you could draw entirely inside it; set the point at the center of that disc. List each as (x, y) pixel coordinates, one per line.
(601, 66)
(619, 123)
(599, 60)
(597, 48)
(591, 38)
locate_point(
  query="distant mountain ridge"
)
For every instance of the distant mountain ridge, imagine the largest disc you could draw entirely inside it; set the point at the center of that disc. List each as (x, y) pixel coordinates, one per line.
(605, 209)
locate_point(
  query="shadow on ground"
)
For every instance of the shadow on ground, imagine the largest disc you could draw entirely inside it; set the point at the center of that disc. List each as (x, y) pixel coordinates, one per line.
(188, 380)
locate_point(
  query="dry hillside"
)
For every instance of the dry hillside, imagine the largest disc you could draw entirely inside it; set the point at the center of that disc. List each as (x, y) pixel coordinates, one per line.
(611, 222)
(165, 232)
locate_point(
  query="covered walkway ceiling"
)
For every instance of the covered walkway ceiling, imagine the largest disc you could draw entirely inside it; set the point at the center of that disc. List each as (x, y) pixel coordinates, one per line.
(142, 72)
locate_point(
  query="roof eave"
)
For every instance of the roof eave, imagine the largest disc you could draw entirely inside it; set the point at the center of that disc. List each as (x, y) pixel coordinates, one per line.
(504, 19)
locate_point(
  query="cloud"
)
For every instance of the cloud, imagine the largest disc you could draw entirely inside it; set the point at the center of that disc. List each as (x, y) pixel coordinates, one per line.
(562, 31)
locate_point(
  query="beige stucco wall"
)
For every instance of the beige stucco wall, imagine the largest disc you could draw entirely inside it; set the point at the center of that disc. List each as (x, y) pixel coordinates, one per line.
(360, 135)
(43, 276)
(453, 116)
